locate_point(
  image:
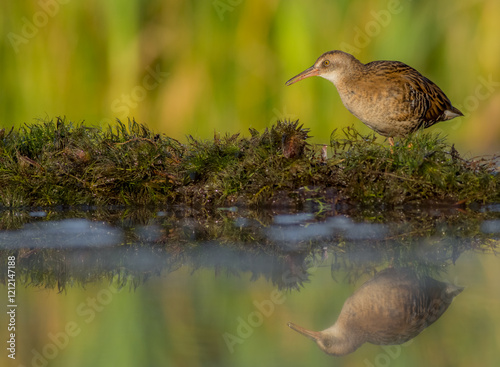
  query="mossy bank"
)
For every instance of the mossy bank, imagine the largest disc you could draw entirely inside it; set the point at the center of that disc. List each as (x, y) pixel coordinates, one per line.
(63, 163)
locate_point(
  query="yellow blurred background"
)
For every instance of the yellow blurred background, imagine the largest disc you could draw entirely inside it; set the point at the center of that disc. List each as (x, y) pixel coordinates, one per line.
(192, 67)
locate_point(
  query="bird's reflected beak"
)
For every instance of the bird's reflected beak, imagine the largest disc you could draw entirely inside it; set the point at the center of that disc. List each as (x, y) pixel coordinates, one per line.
(314, 335)
(312, 71)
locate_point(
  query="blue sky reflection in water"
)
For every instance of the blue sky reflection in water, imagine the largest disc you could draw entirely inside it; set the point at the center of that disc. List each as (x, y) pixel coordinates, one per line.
(185, 288)
(64, 233)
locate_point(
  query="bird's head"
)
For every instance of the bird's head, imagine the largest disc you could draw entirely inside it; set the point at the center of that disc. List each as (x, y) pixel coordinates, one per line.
(331, 65)
(327, 340)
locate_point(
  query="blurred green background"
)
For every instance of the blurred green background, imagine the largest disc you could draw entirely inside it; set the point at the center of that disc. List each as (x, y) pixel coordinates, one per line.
(192, 67)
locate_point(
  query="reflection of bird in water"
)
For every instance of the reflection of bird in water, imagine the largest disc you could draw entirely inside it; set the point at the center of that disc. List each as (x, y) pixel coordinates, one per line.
(390, 97)
(392, 308)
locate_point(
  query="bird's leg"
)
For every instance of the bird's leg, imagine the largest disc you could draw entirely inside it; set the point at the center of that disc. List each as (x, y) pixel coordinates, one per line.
(324, 153)
(391, 143)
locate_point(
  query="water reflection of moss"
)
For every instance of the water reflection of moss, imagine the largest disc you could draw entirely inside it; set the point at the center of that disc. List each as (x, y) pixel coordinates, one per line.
(60, 163)
(238, 243)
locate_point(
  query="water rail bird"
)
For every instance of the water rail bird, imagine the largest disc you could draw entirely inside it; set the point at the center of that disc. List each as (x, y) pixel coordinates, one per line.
(390, 97)
(391, 308)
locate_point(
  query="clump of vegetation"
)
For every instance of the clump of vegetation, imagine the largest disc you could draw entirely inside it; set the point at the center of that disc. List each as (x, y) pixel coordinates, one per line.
(72, 164)
(421, 168)
(62, 163)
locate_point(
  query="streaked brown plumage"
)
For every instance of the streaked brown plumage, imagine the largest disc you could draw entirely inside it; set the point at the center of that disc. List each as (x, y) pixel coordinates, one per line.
(392, 308)
(390, 97)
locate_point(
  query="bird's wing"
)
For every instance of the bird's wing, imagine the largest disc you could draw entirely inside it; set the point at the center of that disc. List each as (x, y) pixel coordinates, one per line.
(430, 101)
(425, 99)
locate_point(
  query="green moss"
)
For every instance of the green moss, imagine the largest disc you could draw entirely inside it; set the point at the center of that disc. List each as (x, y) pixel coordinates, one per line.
(62, 163)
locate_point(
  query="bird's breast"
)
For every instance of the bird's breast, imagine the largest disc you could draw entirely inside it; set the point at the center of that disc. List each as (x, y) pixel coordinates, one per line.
(383, 109)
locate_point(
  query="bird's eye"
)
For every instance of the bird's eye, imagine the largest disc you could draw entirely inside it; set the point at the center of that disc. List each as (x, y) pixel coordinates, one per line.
(326, 62)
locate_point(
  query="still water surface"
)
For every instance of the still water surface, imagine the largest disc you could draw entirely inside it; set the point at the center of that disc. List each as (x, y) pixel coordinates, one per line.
(184, 287)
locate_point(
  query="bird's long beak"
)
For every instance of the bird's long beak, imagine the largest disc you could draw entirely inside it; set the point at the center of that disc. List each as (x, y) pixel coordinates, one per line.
(314, 335)
(312, 71)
